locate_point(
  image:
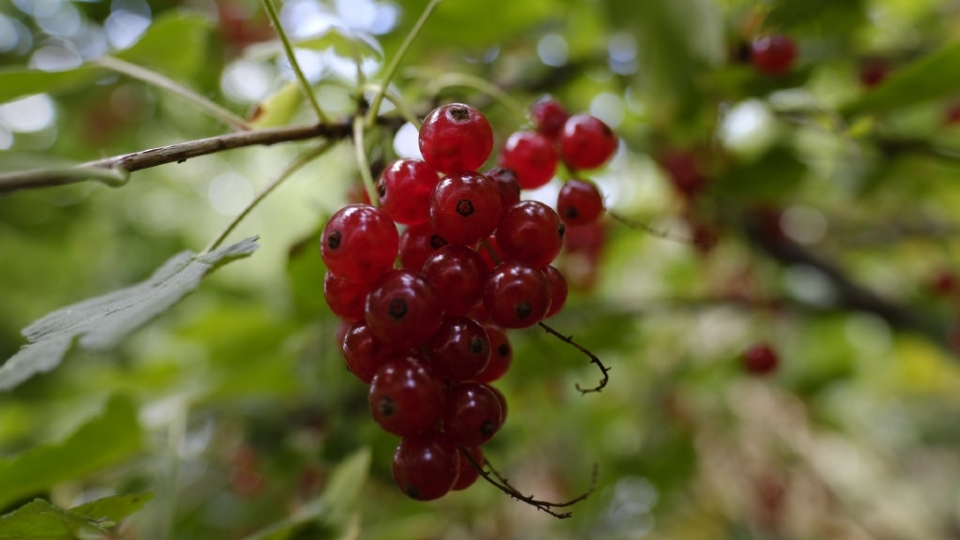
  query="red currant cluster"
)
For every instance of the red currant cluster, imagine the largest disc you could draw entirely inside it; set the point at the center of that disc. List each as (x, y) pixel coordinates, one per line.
(429, 337)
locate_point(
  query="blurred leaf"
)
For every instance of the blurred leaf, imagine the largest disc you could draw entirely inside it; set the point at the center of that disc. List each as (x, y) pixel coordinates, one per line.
(816, 16)
(175, 44)
(279, 109)
(17, 83)
(932, 77)
(40, 520)
(105, 440)
(101, 323)
(769, 178)
(305, 270)
(345, 42)
(333, 511)
(113, 508)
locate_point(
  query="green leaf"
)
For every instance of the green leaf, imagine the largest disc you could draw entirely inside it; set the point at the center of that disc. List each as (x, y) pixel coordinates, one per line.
(345, 42)
(769, 178)
(932, 77)
(816, 16)
(332, 514)
(40, 520)
(175, 44)
(113, 509)
(103, 322)
(105, 440)
(279, 109)
(16, 83)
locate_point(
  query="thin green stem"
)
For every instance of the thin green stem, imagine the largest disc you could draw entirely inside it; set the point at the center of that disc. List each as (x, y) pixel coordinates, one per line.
(291, 57)
(305, 157)
(158, 80)
(362, 163)
(447, 80)
(397, 58)
(402, 108)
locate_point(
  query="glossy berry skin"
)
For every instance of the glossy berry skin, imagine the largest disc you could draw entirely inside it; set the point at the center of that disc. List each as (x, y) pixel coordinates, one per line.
(501, 355)
(460, 350)
(346, 299)
(472, 414)
(586, 142)
(417, 243)
(458, 273)
(406, 396)
(403, 309)
(773, 55)
(465, 208)
(425, 467)
(363, 353)
(359, 243)
(531, 156)
(530, 232)
(516, 295)
(548, 116)
(404, 188)
(503, 404)
(468, 472)
(558, 290)
(579, 203)
(507, 185)
(760, 359)
(456, 137)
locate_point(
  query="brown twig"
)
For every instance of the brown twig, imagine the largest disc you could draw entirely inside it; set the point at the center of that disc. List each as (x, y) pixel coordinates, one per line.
(497, 480)
(593, 359)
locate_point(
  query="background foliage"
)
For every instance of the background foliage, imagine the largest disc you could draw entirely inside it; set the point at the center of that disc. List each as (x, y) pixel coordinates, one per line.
(834, 205)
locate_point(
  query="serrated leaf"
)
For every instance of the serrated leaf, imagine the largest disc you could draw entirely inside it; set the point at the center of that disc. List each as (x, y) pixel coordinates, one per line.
(101, 323)
(16, 83)
(175, 44)
(104, 440)
(932, 77)
(331, 515)
(113, 508)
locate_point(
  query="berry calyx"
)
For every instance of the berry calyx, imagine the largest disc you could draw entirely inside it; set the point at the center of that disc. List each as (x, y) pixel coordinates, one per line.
(579, 203)
(359, 243)
(774, 54)
(456, 137)
(425, 467)
(586, 142)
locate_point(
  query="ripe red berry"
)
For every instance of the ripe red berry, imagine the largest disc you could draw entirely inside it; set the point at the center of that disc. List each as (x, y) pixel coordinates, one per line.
(773, 54)
(404, 188)
(458, 273)
(403, 309)
(507, 185)
(465, 207)
(548, 116)
(406, 397)
(586, 142)
(501, 355)
(530, 232)
(456, 137)
(346, 299)
(472, 414)
(579, 202)
(363, 353)
(417, 243)
(516, 295)
(425, 467)
(468, 471)
(359, 243)
(760, 359)
(460, 350)
(531, 156)
(683, 172)
(558, 290)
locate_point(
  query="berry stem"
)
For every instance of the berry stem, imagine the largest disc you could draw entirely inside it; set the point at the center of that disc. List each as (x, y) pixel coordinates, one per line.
(501, 483)
(395, 61)
(593, 359)
(292, 58)
(305, 157)
(158, 80)
(448, 80)
(662, 234)
(397, 101)
(361, 152)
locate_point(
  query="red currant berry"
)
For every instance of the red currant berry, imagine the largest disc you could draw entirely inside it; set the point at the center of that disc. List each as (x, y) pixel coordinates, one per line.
(549, 116)
(403, 309)
(417, 243)
(465, 207)
(425, 466)
(472, 415)
(507, 184)
(456, 137)
(458, 273)
(406, 396)
(531, 156)
(365, 354)
(530, 232)
(468, 471)
(683, 172)
(460, 350)
(516, 295)
(359, 243)
(760, 359)
(944, 282)
(773, 54)
(346, 300)
(579, 203)
(503, 404)
(558, 290)
(586, 142)
(501, 355)
(404, 188)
